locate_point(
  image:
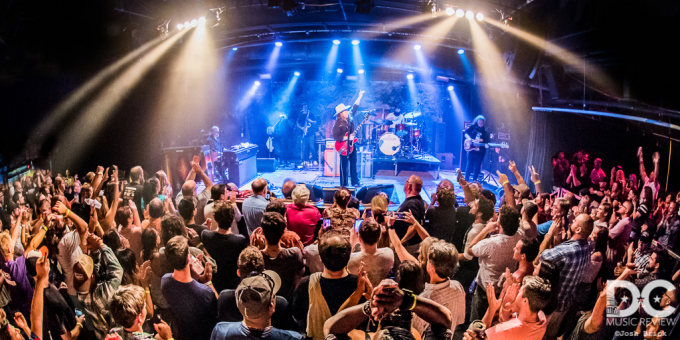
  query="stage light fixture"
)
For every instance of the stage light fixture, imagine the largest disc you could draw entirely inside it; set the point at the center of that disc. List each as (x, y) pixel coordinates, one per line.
(278, 44)
(362, 71)
(257, 83)
(180, 26)
(417, 47)
(297, 74)
(187, 24)
(234, 48)
(194, 23)
(450, 11)
(470, 15)
(450, 87)
(201, 20)
(460, 13)
(461, 51)
(336, 42)
(339, 70)
(355, 42)
(480, 16)
(409, 76)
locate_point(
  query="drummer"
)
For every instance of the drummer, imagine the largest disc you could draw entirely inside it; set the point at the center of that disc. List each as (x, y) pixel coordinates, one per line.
(395, 117)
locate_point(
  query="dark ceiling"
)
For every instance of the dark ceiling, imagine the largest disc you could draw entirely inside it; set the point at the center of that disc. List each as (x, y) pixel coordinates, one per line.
(48, 48)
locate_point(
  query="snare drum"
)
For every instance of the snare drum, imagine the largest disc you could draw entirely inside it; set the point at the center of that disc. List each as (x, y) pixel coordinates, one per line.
(389, 144)
(401, 130)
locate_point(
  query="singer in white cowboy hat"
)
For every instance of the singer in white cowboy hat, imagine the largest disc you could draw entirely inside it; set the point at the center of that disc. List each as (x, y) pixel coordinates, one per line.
(344, 125)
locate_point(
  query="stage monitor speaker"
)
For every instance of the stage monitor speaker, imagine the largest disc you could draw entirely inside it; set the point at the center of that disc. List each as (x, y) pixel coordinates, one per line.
(329, 194)
(177, 163)
(446, 160)
(331, 162)
(266, 165)
(366, 194)
(243, 171)
(440, 138)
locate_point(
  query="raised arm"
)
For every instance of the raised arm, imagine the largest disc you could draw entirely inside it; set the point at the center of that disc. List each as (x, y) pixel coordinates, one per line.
(509, 191)
(643, 173)
(536, 179)
(655, 159)
(597, 317)
(513, 168)
(42, 268)
(199, 171)
(358, 101)
(469, 197)
(398, 247)
(108, 222)
(491, 226)
(81, 226)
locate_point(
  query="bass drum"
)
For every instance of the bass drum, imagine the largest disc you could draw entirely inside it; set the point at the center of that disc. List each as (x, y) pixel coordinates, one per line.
(389, 144)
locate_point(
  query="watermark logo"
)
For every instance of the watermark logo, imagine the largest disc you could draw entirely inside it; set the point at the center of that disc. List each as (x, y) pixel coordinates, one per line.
(643, 297)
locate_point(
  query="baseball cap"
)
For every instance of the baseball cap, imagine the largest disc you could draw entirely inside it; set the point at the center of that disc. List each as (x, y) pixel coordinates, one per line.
(488, 194)
(646, 237)
(87, 263)
(32, 258)
(523, 190)
(254, 294)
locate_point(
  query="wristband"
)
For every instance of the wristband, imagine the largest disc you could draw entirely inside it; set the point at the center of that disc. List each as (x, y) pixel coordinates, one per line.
(100, 173)
(537, 182)
(147, 291)
(44, 228)
(209, 283)
(199, 245)
(409, 301)
(80, 324)
(68, 211)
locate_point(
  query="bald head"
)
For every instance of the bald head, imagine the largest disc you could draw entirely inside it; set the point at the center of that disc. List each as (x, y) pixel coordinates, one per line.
(413, 186)
(288, 187)
(582, 226)
(188, 189)
(137, 174)
(259, 186)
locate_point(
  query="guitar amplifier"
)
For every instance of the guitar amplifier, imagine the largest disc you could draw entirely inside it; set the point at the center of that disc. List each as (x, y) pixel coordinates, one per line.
(238, 153)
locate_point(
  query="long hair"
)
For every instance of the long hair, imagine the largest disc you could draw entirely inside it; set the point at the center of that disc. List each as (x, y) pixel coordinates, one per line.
(474, 121)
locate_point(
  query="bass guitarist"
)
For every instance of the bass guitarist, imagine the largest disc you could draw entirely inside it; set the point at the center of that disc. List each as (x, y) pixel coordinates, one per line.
(343, 131)
(478, 134)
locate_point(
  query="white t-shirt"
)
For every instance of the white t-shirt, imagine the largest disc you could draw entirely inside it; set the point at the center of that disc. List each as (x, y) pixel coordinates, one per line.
(209, 212)
(377, 266)
(69, 250)
(476, 228)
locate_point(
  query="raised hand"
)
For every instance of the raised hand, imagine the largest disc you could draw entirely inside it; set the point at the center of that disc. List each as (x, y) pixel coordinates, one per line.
(42, 268)
(656, 157)
(639, 153)
(511, 294)
(535, 177)
(163, 330)
(502, 177)
(512, 166)
(494, 304)
(59, 208)
(145, 273)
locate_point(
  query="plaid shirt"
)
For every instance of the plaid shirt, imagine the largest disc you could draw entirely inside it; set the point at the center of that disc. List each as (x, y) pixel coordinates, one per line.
(95, 303)
(571, 259)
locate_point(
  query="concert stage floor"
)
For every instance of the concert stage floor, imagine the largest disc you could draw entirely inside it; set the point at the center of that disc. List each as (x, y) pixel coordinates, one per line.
(385, 177)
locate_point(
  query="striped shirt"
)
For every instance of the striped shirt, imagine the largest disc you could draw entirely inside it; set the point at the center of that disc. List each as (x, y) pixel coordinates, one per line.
(449, 294)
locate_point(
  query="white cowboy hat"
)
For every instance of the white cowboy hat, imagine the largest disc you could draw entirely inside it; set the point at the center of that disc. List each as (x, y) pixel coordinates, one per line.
(340, 108)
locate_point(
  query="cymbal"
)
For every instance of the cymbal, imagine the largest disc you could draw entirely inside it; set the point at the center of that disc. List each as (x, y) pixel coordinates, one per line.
(410, 124)
(370, 112)
(412, 115)
(383, 122)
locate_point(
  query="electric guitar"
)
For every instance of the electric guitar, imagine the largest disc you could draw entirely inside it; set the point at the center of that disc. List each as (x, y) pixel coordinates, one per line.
(473, 145)
(341, 147)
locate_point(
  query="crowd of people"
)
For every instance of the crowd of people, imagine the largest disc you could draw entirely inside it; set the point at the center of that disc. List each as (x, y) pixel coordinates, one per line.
(103, 258)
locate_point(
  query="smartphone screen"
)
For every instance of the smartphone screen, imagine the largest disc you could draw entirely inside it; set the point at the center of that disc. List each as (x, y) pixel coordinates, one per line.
(267, 196)
(196, 265)
(357, 224)
(326, 223)
(78, 313)
(369, 213)
(400, 216)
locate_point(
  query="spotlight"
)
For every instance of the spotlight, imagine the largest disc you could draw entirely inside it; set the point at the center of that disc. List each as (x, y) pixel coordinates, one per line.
(355, 42)
(450, 11)
(417, 47)
(336, 42)
(234, 48)
(257, 83)
(409, 76)
(201, 20)
(461, 51)
(460, 13)
(470, 15)
(278, 44)
(297, 74)
(362, 71)
(450, 87)
(180, 26)
(187, 24)
(194, 23)
(339, 70)
(480, 16)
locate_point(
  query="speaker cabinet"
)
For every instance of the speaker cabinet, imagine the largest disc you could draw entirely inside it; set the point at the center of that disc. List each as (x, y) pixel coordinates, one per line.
(241, 172)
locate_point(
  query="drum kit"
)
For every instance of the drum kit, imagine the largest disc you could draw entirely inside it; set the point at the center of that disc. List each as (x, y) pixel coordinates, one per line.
(397, 137)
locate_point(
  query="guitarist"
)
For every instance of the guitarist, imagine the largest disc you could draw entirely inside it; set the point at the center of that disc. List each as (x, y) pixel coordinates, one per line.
(478, 134)
(344, 124)
(305, 133)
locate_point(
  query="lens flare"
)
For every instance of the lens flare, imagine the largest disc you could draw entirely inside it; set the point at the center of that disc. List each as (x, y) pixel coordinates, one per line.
(257, 83)
(278, 44)
(297, 74)
(336, 42)
(417, 47)
(409, 76)
(355, 42)
(461, 51)
(362, 71)
(450, 88)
